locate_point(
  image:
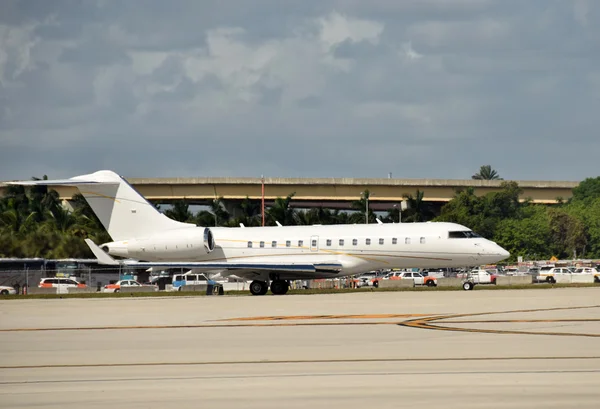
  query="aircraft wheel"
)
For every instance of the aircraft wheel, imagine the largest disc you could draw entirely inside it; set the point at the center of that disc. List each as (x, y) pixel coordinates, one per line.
(258, 287)
(468, 286)
(279, 287)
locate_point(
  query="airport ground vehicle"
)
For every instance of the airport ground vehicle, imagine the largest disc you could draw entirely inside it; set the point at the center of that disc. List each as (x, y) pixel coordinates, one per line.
(62, 285)
(7, 290)
(481, 277)
(123, 284)
(478, 277)
(418, 278)
(180, 280)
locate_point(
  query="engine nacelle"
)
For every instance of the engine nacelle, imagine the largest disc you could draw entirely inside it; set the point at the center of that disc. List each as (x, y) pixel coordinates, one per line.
(209, 240)
(186, 244)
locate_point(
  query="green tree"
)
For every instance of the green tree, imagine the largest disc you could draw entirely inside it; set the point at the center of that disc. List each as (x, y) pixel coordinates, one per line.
(486, 173)
(418, 210)
(587, 190)
(360, 207)
(180, 211)
(281, 212)
(527, 237)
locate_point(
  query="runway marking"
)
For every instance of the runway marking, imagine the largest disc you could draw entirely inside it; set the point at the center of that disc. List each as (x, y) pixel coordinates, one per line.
(301, 361)
(323, 317)
(428, 323)
(420, 321)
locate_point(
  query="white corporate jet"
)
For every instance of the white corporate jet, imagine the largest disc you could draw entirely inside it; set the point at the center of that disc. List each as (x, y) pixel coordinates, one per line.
(269, 256)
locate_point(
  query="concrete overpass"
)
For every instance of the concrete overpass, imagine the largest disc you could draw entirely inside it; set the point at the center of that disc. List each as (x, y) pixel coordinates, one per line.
(328, 192)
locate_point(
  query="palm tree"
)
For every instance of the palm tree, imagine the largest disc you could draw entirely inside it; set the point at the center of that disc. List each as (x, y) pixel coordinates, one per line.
(418, 210)
(282, 212)
(486, 173)
(361, 206)
(180, 211)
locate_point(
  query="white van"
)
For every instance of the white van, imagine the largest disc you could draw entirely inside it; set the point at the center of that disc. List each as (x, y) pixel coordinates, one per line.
(189, 279)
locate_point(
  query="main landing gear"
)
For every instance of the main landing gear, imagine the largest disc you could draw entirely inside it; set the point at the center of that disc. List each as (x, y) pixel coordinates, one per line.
(278, 287)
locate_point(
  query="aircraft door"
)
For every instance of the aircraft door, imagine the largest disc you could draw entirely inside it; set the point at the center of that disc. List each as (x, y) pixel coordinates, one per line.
(314, 243)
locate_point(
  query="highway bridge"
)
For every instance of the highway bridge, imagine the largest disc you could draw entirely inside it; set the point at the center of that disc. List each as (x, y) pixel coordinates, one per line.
(328, 192)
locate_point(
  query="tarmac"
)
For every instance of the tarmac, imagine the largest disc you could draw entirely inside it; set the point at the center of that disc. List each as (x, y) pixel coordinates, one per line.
(451, 349)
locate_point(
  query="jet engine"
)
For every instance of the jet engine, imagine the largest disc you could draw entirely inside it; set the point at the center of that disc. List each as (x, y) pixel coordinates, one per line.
(209, 240)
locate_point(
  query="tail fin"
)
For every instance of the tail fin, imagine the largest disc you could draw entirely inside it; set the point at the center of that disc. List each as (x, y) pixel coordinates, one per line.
(124, 213)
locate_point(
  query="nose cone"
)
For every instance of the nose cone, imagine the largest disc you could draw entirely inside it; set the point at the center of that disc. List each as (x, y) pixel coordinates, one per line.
(499, 253)
(492, 253)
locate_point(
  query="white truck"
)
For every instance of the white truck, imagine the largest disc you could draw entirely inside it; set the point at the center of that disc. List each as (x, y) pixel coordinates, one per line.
(418, 278)
(478, 277)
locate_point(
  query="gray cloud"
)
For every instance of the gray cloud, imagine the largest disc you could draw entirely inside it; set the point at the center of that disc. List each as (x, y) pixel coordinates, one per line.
(427, 88)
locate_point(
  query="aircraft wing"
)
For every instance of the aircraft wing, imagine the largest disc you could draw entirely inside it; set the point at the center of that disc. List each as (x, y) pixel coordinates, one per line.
(237, 268)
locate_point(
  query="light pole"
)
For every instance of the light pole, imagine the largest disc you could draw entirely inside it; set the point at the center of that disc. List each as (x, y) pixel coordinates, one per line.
(403, 206)
(366, 206)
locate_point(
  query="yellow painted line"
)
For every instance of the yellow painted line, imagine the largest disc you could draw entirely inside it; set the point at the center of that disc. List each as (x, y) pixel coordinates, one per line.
(192, 326)
(303, 361)
(523, 321)
(325, 317)
(428, 323)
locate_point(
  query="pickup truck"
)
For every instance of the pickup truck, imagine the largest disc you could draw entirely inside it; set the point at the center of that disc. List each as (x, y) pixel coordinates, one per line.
(481, 277)
(419, 278)
(478, 277)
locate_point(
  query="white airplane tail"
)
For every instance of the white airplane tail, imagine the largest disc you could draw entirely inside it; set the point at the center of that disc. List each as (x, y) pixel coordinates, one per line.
(124, 213)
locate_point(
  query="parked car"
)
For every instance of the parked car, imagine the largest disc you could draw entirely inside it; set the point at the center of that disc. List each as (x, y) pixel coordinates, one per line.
(62, 285)
(588, 270)
(7, 290)
(124, 284)
(548, 275)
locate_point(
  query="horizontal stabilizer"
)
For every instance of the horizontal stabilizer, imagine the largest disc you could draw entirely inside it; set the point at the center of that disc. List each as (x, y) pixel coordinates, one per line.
(102, 257)
(60, 182)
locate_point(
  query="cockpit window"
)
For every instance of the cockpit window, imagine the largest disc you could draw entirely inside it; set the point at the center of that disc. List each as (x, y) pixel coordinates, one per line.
(463, 235)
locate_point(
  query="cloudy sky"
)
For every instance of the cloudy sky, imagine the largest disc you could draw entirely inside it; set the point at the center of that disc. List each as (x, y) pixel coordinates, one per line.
(311, 88)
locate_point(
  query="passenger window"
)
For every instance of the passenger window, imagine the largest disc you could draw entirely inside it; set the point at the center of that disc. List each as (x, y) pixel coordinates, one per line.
(328, 242)
(288, 243)
(314, 243)
(380, 241)
(341, 242)
(300, 243)
(368, 242)
(262, 244)
(394, 240)
(422, 240)
(273, 244)
(355, 242)
(249, 244)
(407, 240)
